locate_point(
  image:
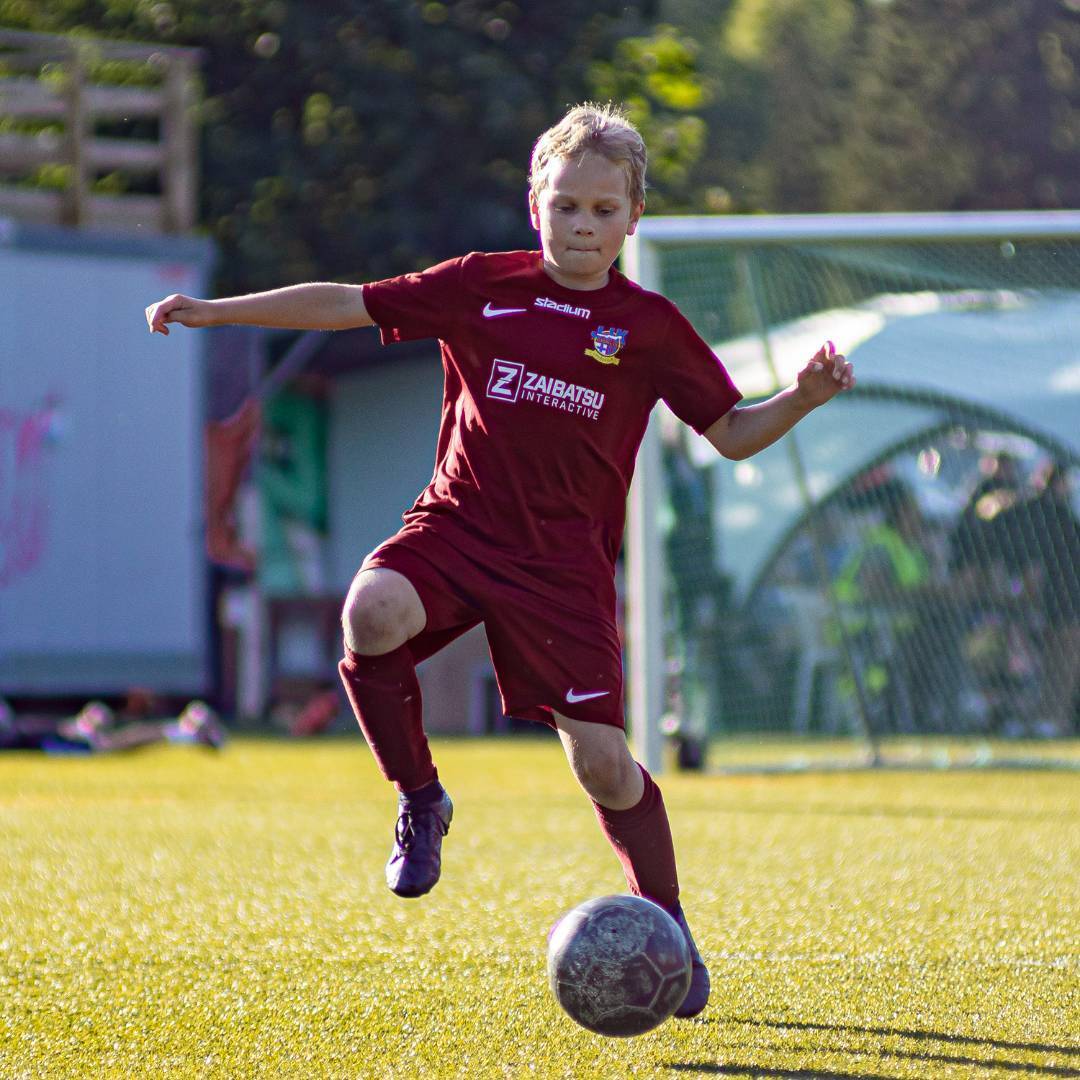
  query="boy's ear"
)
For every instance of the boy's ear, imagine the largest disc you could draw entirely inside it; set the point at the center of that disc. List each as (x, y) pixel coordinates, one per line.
(534, 210)
(635, 217)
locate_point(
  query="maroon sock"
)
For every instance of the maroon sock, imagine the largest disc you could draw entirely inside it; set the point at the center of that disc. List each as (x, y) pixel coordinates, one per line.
(385, 697)
(641, 838)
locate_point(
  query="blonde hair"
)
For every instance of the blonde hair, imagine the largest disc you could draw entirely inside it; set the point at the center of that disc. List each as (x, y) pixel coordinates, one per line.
(601, 129)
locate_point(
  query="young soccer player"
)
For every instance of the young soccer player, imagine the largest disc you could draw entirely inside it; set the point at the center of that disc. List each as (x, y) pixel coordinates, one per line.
(552, 361)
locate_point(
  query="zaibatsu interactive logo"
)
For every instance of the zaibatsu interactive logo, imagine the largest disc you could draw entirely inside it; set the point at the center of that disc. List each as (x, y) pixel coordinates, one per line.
(509, 381)
(505, 381)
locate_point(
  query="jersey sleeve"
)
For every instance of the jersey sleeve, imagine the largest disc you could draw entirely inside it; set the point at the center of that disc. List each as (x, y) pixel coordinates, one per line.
(690, 379)
(410, 307)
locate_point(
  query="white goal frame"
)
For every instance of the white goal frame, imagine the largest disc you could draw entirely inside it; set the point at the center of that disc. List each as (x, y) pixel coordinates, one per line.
(641, 262)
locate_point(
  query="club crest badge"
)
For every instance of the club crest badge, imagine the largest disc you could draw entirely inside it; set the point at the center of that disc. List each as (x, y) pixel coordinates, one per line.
(607, 341)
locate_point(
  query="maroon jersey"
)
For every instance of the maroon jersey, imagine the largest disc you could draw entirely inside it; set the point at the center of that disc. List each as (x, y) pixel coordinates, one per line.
(547, 395)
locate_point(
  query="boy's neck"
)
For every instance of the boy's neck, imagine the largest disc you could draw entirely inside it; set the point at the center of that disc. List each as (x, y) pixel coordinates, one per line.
(575, 283)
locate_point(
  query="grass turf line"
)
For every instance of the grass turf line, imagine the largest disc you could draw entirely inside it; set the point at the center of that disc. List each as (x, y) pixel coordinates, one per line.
(177, 913)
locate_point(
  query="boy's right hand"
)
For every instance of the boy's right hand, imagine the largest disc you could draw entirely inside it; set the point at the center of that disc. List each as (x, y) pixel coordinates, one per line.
(185, 310)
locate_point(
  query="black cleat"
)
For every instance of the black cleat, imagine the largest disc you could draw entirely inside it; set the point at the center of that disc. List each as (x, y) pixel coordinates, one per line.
(697, 997)
(416, 861)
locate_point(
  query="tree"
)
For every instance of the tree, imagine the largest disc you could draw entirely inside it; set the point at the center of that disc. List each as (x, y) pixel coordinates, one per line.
(796, 53)
(365, 137)
(728, 114)
(360, 138)
(658, 80)
(963, 104)
(872, 105)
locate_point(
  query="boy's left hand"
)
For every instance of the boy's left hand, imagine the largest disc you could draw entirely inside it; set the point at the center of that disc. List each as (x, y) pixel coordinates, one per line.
(825, 375)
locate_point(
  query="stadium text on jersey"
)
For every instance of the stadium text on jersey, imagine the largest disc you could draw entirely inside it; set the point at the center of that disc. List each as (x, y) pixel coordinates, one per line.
(566, 309)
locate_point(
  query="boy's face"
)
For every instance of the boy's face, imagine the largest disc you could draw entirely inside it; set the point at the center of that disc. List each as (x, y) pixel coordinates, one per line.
(583, 215)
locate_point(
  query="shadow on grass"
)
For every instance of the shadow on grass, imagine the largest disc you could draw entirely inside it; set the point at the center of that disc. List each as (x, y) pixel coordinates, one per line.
(757, 1070)
(904, 1033)
(933, 813)
(1030, 1068)
(779, 1074)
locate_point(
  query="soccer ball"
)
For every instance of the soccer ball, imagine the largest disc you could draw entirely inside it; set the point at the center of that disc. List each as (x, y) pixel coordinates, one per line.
(619, 965)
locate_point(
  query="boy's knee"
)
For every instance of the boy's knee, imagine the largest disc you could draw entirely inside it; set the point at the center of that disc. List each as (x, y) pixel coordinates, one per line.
(606, 773)
(379, 615)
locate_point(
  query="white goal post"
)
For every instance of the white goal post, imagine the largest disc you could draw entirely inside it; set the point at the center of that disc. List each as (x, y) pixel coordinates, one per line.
(643, 261)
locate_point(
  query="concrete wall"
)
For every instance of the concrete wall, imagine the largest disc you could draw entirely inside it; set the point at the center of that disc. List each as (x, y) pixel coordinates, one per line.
(381, 454)
(383, 427)
(102, 578)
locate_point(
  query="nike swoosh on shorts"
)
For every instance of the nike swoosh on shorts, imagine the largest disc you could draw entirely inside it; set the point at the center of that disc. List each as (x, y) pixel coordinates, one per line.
(573, 697)
(494, 312)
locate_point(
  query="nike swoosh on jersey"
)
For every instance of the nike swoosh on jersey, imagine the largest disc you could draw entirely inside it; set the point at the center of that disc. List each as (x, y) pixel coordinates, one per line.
(494, 312)
(573, 697)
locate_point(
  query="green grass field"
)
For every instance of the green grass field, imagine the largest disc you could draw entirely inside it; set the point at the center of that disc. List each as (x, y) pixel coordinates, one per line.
(179, 913)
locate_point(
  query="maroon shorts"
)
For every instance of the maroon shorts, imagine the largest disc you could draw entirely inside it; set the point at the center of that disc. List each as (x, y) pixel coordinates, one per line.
(549, 654)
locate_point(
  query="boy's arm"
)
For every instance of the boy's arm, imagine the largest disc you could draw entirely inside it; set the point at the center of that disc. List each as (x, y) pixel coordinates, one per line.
(316, 306)
(742, 432)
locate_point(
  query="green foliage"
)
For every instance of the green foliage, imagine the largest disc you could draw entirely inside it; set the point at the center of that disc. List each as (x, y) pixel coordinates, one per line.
(799, 50)
(372, 136)
(872, 105)
(967, 104)
(369, 137)
(52, 177)
(657, 78)
(729, 115)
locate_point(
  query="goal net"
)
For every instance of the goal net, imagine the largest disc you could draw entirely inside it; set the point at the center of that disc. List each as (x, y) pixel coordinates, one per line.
(896, 581)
